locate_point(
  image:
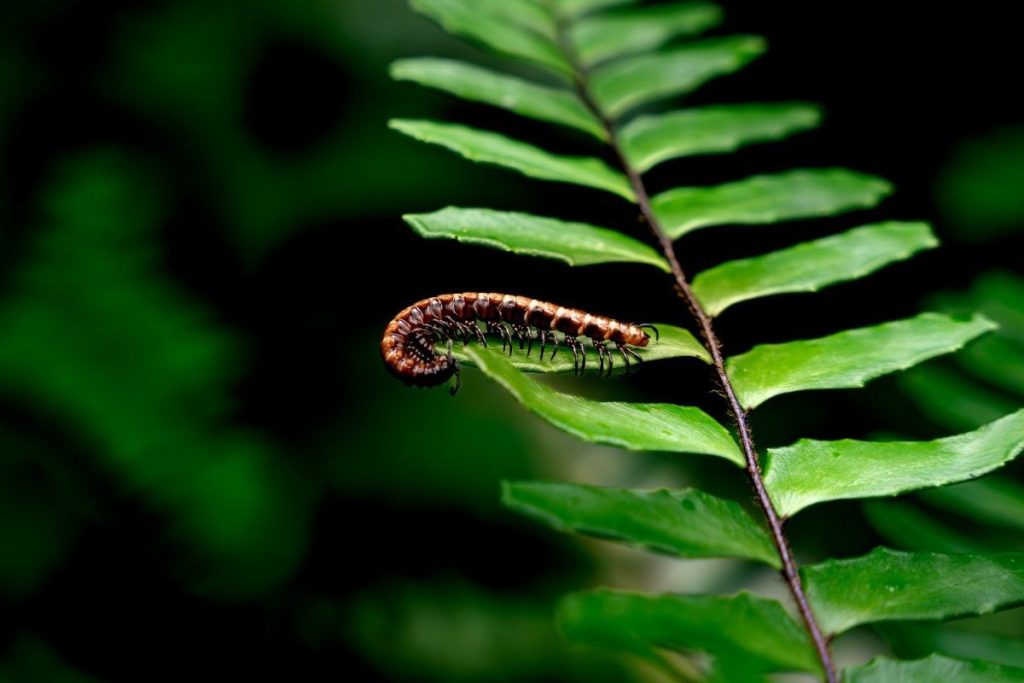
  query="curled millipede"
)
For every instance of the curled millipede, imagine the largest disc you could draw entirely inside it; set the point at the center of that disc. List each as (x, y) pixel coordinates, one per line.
(410, 340)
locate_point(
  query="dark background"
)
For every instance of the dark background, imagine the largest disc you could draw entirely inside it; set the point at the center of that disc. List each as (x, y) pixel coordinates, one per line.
(204, 469)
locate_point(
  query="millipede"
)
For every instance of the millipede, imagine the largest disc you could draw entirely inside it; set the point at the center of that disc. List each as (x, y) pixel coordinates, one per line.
(409, 346)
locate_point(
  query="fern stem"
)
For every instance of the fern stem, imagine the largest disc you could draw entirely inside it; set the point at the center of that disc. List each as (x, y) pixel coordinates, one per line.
(790, 568)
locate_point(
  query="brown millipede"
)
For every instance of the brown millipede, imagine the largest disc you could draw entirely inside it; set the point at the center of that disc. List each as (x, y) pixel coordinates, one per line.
(410, 340)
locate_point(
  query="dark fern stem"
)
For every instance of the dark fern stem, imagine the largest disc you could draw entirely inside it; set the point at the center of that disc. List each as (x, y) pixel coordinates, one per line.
(790, 572)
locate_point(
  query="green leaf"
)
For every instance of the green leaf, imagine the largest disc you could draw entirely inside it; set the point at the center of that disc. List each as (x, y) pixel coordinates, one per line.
(887, 585)
(492, 148)
(997, 360)
(528, 13)
(850, 358)
(952, 399)
(741, 626)
(804, 193)
(810, 472)
(649, 140)
(687, 523)
(473, 83)
(993, 500)
(811, 266)
(912, 639)
(575, 8)
(997, 294)
(578, 244)
(727, 670)
(1002, 294)
(931, 669)
(634, 81)
(605, 36)
(910, 528)
(634, 426)
(511, 27)
(673, 342)
(147, 374)
(450, 629)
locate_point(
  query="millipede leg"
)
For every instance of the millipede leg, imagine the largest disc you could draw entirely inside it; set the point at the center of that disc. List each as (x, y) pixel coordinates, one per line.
(599, 347)
(635, 355)
(573, 346)
(464, 331)
(478, 333)
(625, 358)
(502, 332)
(453, 323)
(579, 355)
(521, 334)
(554, 345)
(493, 329)
(529, 343)
(458, 378)
(608, 357)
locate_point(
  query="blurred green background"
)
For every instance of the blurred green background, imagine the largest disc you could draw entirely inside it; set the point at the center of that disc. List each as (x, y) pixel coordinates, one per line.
(204, 466)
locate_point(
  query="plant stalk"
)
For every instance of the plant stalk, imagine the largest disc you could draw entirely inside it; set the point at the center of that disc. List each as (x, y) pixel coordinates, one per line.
(789, 570)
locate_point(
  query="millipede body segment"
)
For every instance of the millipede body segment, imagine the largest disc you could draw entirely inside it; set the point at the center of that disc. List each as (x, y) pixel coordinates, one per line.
(410, 340)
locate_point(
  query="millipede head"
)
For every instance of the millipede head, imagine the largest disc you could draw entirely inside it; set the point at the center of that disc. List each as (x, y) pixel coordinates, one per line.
(652, 328)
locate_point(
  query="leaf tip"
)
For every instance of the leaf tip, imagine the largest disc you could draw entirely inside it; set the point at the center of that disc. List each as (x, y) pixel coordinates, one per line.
(874, 184)
(884, 187)
(398, 69)
(813, 112)
(508, 492)
(985, 323)
(415, 221)
(977, 321)
(753, 46)
(401, 125)
(929, 240)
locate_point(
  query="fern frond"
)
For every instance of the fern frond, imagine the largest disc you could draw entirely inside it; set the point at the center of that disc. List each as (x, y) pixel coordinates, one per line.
(615, 70)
